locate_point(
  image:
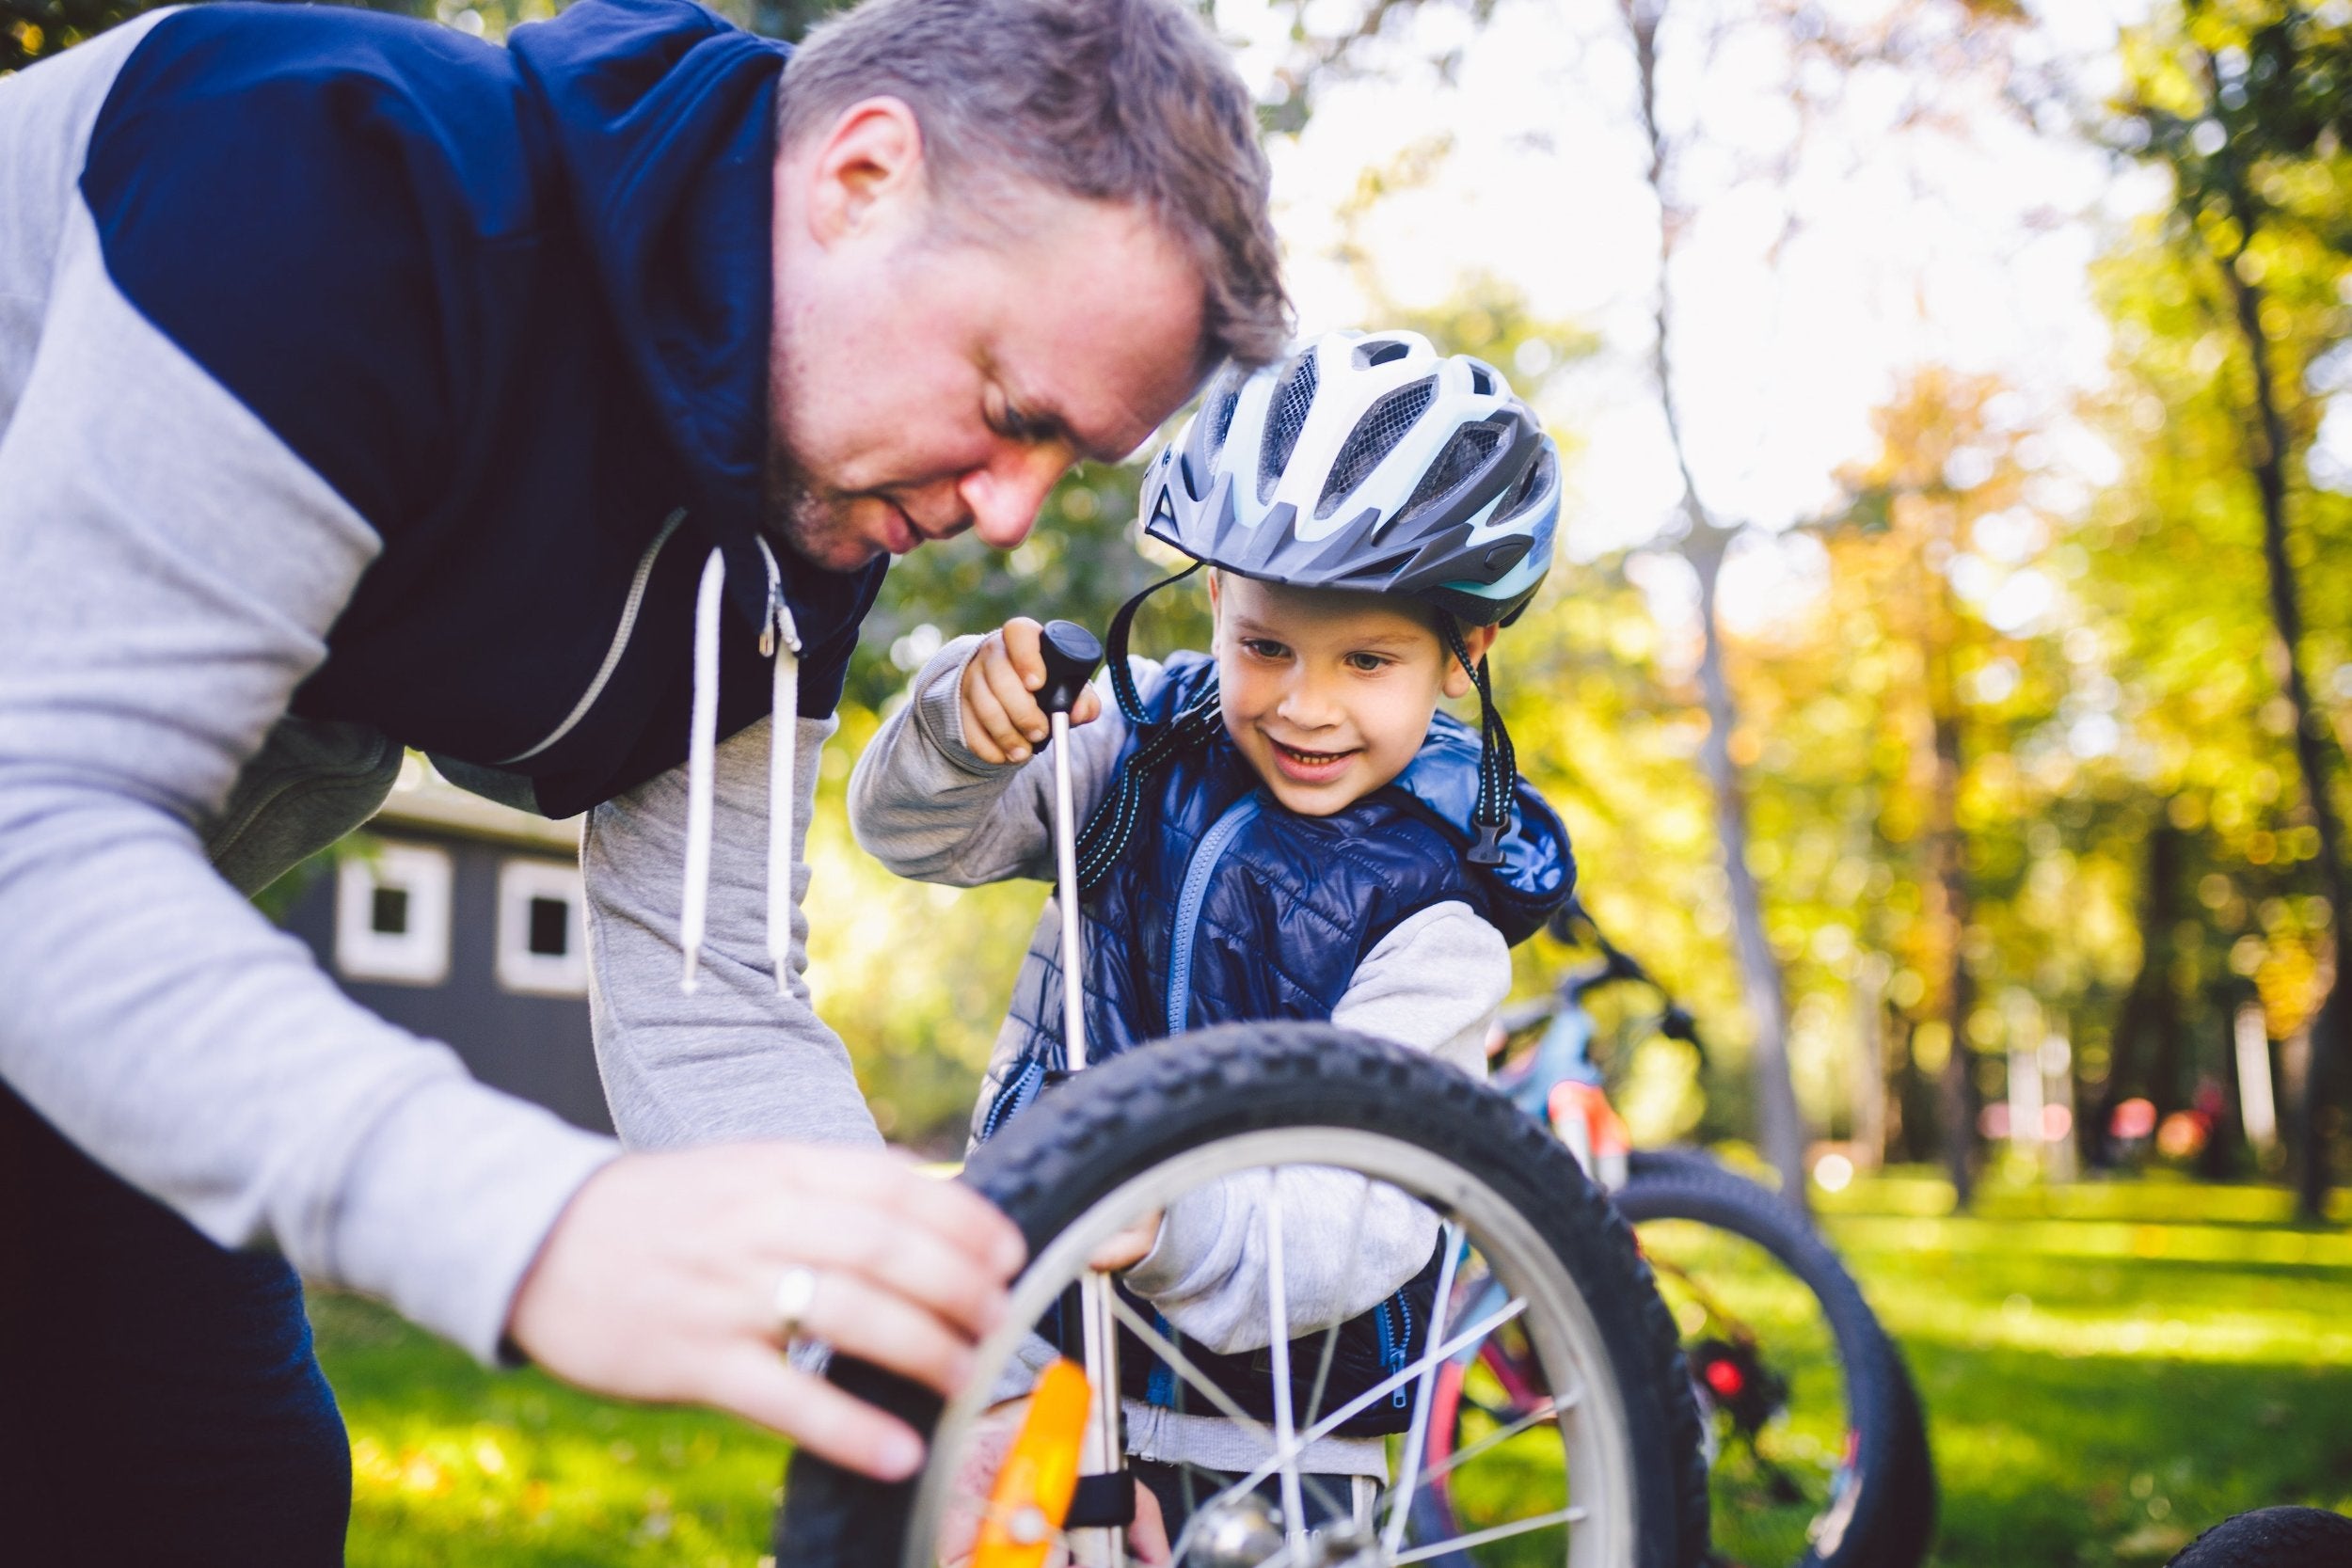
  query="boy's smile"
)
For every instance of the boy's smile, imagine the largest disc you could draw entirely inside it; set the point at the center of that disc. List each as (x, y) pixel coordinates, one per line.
(1328, 695)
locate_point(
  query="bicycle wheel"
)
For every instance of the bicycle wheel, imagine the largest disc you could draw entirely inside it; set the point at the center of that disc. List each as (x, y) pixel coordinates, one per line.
(1608, 1474)
(1824, 1450)
(1819, 1455)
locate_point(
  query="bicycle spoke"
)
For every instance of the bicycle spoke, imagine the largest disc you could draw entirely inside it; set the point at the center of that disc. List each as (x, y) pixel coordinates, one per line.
(1279, 1345)
(1479, 1538)
(1331, 1334)
(1462, 1456)
(1391, 1382)
(1159, 1344)
(1395, 1535)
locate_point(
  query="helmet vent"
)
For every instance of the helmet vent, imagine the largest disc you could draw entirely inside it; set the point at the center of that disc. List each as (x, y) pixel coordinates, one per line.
(1221, 408)
(1292, 400)
(1463, 456)
(1539, 474)
(1480, 383)
(1380, 351)
(1376, 435)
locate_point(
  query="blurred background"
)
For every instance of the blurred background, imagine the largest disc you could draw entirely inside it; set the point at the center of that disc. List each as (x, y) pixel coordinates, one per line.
(1943, 680)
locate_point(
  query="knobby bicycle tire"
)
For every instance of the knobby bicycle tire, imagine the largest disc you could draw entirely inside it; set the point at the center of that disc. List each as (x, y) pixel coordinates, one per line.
(1137, 1112)
(1892, 1522)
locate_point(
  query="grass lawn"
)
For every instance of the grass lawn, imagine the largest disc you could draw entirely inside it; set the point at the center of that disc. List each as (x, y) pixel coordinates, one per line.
(2106, 1369)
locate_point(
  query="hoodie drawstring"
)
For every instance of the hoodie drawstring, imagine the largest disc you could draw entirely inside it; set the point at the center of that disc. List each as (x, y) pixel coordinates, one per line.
(777, 635)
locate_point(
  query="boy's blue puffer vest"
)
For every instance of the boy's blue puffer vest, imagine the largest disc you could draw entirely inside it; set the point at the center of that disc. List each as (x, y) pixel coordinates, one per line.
(1226, 908)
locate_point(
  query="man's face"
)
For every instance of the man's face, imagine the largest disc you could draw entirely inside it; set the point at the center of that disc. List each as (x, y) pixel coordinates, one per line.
(932, 377)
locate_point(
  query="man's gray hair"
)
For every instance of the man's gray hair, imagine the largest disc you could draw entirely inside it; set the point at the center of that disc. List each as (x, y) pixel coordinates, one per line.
(1124, 101)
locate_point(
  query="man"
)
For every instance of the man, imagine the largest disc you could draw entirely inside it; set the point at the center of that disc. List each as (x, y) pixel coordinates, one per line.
(363, 386)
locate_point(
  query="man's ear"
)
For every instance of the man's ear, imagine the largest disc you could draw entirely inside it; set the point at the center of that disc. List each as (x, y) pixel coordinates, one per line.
(867, 172)
(1477, 639)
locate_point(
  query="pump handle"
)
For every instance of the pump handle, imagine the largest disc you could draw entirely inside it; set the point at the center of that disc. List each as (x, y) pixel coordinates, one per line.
(1071, 653)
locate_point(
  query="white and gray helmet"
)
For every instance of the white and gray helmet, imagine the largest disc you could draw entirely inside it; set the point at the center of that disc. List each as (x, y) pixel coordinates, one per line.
(1367, 461)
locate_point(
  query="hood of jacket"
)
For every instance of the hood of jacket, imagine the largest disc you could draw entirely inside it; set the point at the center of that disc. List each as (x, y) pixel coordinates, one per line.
(663, 117)
(1537, 872)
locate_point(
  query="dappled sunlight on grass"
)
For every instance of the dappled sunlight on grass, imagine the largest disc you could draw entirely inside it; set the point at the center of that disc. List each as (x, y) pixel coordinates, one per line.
(454, 1464)
(2094, 1402)
(2106, 1369)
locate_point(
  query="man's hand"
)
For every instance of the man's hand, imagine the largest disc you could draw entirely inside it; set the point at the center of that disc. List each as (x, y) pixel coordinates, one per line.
(1002, 721)
(658, 1282)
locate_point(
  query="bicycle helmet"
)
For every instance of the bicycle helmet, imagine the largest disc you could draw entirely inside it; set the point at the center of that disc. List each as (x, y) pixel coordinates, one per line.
(1367, 461)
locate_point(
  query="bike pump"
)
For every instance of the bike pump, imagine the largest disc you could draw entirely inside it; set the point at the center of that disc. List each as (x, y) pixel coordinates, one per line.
(1071, 653)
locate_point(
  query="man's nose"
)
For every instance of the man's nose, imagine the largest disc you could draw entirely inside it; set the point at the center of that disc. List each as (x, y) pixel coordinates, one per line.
(1004, 496)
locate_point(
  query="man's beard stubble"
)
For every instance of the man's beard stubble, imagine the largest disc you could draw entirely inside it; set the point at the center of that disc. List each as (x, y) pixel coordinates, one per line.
(811, 523)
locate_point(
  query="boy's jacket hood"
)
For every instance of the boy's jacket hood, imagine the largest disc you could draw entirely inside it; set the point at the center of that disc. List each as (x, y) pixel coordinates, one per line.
(1537, 872)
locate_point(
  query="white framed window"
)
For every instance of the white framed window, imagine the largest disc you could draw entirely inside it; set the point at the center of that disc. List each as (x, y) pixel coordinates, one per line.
(391, 915)
(543, 928)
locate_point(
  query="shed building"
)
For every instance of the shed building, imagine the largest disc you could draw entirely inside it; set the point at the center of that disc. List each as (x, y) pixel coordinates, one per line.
(465, 921)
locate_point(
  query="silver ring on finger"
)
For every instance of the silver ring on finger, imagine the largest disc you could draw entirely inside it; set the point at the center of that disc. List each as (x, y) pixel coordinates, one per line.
(794, 1294)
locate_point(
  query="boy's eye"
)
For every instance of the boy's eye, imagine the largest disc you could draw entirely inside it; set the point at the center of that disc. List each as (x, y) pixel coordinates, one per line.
(1263, 647)
(1369, 664)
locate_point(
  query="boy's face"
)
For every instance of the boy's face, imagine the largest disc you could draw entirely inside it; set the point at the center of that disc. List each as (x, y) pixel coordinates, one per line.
(1328, 695)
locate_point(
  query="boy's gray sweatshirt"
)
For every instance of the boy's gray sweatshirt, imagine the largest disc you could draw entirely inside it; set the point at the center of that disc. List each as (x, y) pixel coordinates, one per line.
(924, 804)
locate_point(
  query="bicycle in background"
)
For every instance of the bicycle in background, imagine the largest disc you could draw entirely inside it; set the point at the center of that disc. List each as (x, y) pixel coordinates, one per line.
(1818, 1451)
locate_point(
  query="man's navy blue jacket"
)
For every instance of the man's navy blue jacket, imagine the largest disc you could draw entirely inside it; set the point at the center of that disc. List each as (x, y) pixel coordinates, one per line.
(513, 305)
(362, 385)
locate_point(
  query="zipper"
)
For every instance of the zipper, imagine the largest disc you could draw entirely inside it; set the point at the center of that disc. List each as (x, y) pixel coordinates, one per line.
(1205, 855)
(1404, 1342)
(1160, 1387)
(630, 608)
(1392, 1348)
(1014, 1098)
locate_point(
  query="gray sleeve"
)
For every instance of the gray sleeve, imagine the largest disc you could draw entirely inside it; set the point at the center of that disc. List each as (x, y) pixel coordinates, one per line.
(1433, 984)
(167, 572)
(738, 1058)
(925, 806)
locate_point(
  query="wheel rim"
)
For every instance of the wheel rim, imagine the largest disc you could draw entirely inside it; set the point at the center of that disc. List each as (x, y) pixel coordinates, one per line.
(1591, 1506)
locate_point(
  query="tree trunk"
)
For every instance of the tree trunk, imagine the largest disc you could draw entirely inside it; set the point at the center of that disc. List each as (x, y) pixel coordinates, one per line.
(1780, 1130)
(1867, 1068)
(1950, 908)
(2268, 457)
(1914, 1099)
(2151, 1013)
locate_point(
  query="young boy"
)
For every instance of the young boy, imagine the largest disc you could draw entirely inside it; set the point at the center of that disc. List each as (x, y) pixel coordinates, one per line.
(1371, 512)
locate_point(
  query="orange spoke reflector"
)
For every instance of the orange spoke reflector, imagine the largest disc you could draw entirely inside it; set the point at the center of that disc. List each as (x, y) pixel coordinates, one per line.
(1033, 1487)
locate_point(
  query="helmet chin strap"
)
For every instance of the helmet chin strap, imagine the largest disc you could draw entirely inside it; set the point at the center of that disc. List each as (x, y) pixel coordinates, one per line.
(1111, 823)
(1498, 762)
(1103, 838)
